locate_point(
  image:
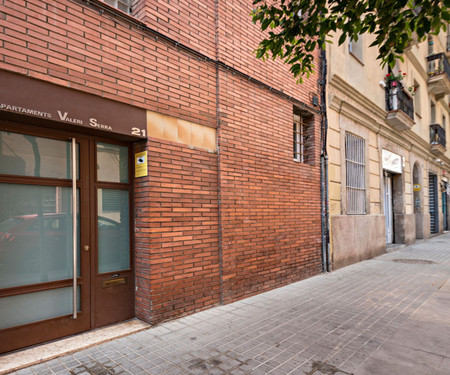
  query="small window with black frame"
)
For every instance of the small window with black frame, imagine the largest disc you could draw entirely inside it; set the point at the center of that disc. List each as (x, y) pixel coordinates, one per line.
(301, 124)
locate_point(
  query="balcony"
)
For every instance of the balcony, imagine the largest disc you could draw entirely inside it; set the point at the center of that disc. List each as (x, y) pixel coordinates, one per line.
(437, 140)
(400, 106)
(438, 75)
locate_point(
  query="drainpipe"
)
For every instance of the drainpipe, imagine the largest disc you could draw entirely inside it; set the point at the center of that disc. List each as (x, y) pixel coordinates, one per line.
(326, 267)
(218, 139)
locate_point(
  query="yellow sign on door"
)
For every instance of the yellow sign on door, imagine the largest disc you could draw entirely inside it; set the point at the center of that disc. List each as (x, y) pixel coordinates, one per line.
(416, 187)
(140, 164)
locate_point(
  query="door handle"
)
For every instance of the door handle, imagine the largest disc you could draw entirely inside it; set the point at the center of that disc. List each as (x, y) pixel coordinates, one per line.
(74, 228)
(86, 248)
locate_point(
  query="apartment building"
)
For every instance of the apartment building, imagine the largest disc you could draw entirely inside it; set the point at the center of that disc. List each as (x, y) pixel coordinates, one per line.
(150, 166)
(389, 161)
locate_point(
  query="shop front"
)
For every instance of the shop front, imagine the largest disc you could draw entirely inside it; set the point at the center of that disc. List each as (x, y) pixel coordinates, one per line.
(66, 186)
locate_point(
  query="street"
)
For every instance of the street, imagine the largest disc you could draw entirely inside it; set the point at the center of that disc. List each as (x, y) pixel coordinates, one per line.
(388, 315)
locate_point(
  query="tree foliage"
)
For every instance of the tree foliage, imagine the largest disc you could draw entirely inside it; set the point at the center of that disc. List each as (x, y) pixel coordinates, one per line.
(297, 27)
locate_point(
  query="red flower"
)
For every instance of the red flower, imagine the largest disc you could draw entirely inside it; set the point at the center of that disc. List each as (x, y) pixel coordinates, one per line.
(404, 74)
(388, 75)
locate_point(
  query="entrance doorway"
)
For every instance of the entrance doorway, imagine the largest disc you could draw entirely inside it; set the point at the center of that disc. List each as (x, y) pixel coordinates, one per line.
(433, 203)
(389, 207)
(445, 206)
(418, 198)
(40, 297)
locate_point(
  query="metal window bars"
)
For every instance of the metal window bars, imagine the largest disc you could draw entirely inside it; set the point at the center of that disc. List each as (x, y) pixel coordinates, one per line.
(355, 174)
(438, 64)
(123, 5)
(437, 135)
(299, 139)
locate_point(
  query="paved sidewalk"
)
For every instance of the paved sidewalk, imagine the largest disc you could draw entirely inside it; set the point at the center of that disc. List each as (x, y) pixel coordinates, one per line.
(389, 315)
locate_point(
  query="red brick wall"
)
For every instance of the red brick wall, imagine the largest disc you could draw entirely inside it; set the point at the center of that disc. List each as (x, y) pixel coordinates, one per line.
(270, 203)
(238, 39)
(187, 21)
(193, 23)
(176, 235)
(270, 211)
(72, 45)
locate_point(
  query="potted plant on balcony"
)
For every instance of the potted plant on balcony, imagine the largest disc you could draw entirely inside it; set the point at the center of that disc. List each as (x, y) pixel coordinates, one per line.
(393, 79)
(399, 97)
(412, 90)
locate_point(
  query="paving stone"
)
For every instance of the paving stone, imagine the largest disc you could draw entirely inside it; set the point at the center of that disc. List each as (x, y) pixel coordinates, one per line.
(343, 320)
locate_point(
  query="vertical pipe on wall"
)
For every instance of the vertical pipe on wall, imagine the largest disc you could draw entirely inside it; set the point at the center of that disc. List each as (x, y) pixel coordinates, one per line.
(219, 181)
(324, 164)
(327, 234)
(322, 210)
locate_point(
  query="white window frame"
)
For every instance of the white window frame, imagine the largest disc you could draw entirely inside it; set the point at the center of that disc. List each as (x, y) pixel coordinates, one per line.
(417, 92)
(355, 171)
(356, 48)
(299, 141)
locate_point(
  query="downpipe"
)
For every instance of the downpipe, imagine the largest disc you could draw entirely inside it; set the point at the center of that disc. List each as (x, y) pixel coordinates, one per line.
(324, 212)
(326, 267)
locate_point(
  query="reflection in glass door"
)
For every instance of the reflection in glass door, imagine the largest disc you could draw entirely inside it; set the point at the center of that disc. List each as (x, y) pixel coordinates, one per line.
(114, 296)
(36, 240)
(35, 235)
(40, 298)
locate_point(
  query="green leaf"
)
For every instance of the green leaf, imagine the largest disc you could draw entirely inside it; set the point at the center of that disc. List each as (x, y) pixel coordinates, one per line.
(392, 23)
(342, 39)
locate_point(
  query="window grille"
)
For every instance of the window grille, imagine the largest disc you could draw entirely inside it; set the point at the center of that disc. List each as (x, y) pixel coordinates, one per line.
(299, 139)
(123, 5)
(355, 174)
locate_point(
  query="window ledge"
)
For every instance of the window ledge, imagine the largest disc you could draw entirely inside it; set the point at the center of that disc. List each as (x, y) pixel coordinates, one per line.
(356, 58)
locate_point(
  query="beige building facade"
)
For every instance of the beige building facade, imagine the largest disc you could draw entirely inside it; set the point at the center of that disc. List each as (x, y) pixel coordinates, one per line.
(389, 163)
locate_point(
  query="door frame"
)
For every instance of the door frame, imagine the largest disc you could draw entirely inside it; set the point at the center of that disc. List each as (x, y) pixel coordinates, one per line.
(433, 209)
(445, 207)
(388, 182)
(45, 330)
(126, 309)
(28, 334)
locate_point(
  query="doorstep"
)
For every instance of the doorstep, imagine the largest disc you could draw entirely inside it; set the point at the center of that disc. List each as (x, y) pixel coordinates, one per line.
(394, 247)
(40, 353)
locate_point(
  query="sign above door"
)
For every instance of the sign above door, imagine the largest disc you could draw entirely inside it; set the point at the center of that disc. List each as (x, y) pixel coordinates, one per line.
(43, 100)
(392, 162)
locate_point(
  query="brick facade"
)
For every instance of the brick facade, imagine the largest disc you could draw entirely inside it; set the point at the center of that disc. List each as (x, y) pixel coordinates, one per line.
(270, 203)
(176, 239)
(210, 227)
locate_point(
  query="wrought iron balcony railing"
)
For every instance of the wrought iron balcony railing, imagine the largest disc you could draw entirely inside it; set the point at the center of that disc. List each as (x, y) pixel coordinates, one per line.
(438, 64)
(437, 135)
(398, 99)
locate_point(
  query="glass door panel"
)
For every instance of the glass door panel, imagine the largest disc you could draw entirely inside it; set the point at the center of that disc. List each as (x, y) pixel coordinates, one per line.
(40, 299)
(112, 163)
(113, 296)
(27, 155)
(36, 234)
(33, 307)
(113, 230)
